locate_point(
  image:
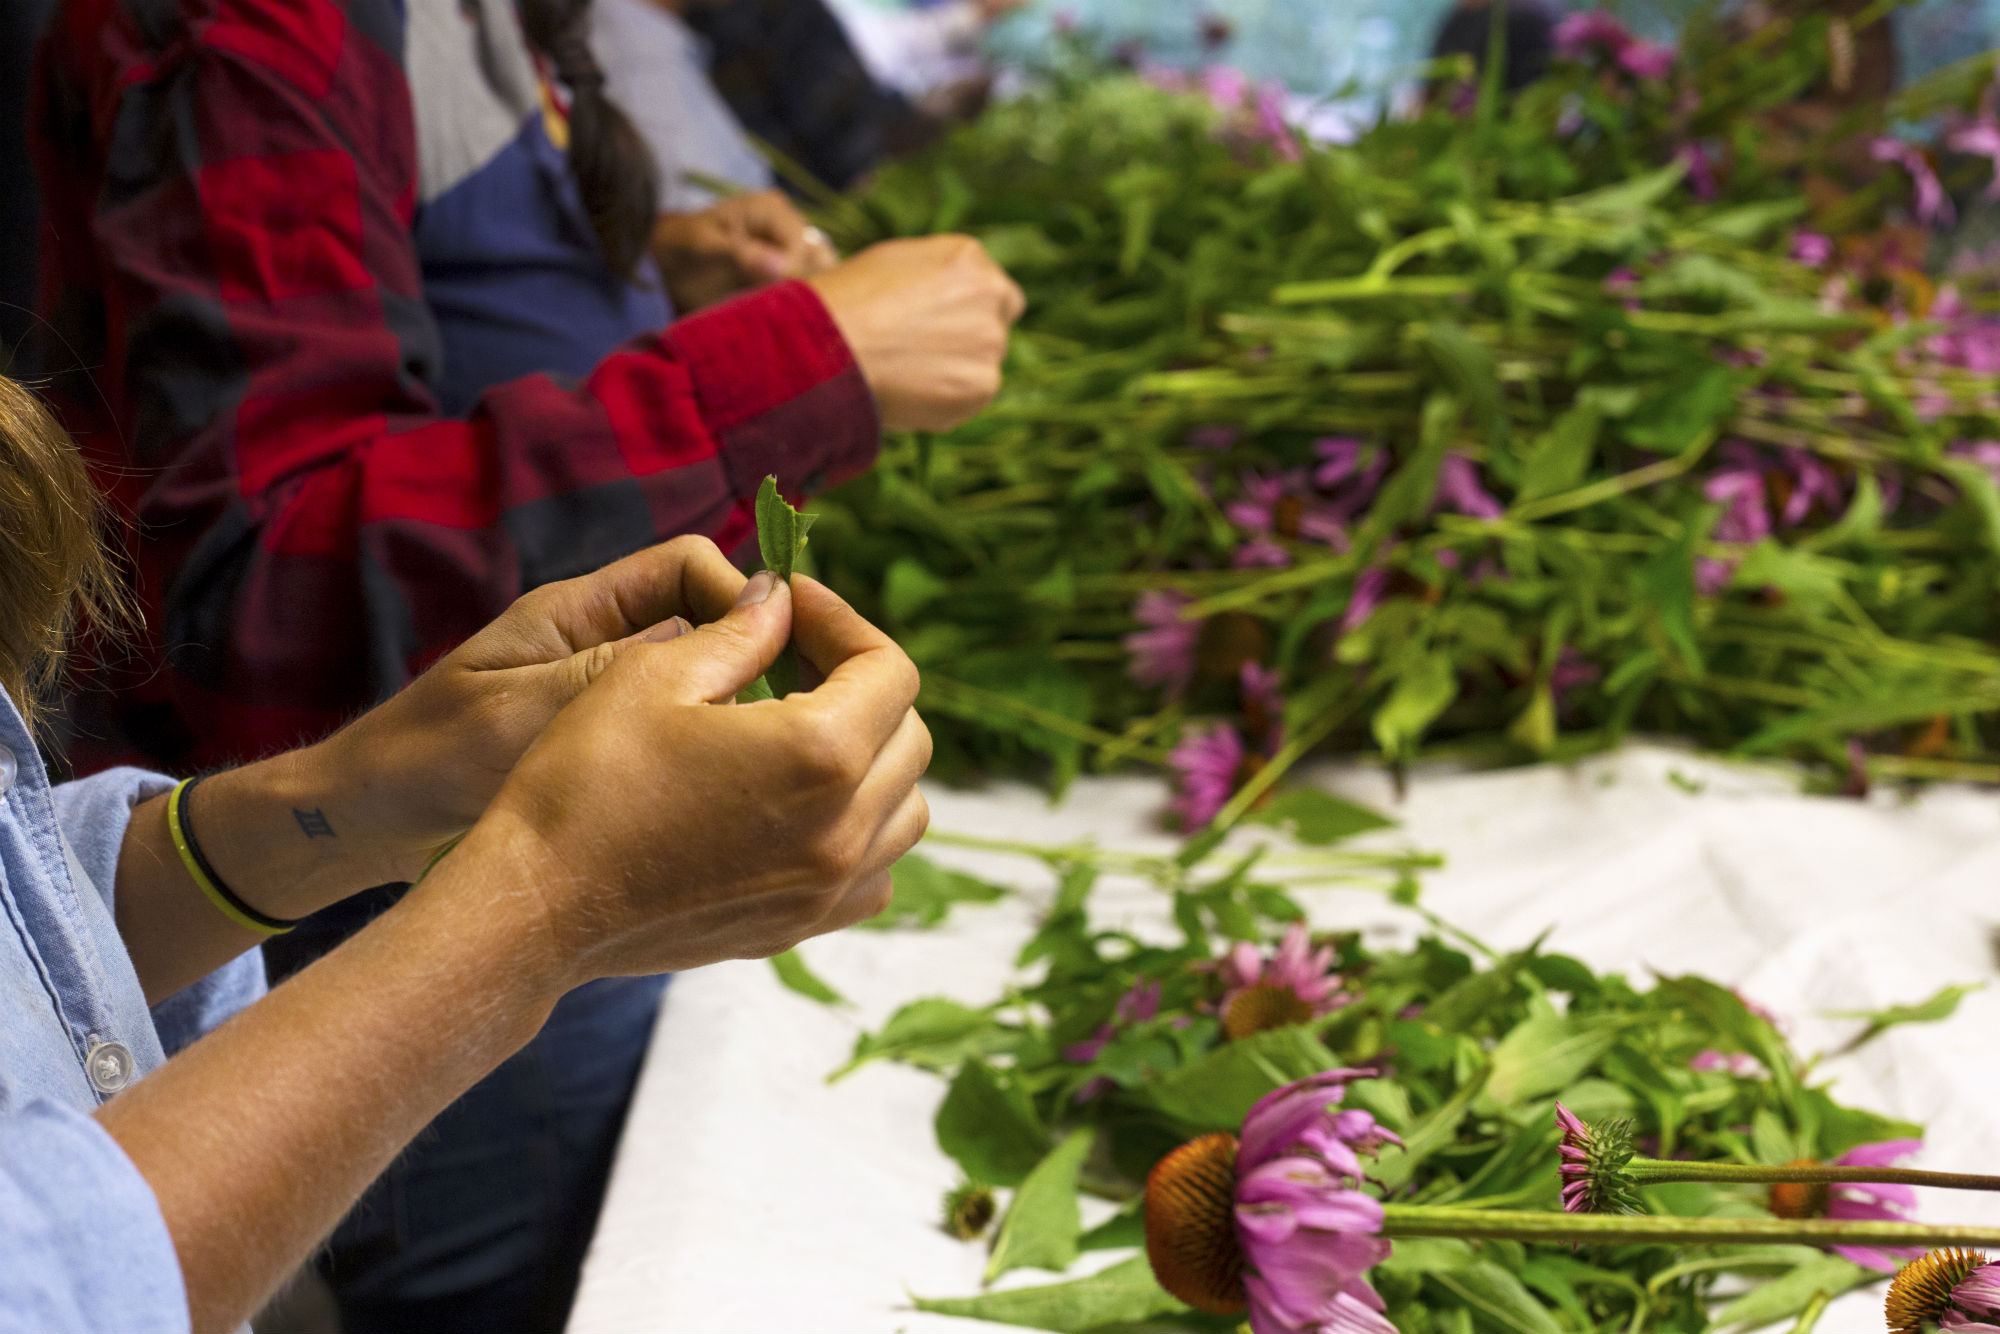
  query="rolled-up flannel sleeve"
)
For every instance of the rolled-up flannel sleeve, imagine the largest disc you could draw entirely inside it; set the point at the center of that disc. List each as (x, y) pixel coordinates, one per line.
(92, 814)
(82, 1242)
(323, 531)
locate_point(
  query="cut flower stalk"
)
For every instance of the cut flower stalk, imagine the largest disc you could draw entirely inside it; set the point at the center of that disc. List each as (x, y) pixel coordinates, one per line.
(1647, 1171)
(1411, 1220)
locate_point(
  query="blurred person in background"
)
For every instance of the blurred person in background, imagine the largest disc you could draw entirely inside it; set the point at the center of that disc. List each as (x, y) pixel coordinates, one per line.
(1530, 36)
(791, 75)
(360, 317)
(20, 24)
(153, 1178)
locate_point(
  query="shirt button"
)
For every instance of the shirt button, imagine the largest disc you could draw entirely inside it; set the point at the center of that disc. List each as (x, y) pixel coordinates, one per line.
(10, 768)
(110, 1066)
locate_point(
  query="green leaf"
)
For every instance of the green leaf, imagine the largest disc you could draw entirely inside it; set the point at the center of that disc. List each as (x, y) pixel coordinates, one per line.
(1216, 1091)
(1877, 1022)
(1686, 407)
(1425, 690)
(781, 536)
(781, 530)
(792, 971)
(1562, 457)
(1125, 1228)
(1316, 817)
(1043, 1224)
(1125, 1294)
(908, 587)
(933, 1033)
(1788, 1295)
(990, 1127)
(1978, 487)
(1547, 1053)
(1664, 585)
(925, 893)
(1501, 1301)
(1406, 496)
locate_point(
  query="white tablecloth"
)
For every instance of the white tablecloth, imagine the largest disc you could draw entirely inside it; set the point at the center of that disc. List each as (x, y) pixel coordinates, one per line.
(751, 1196)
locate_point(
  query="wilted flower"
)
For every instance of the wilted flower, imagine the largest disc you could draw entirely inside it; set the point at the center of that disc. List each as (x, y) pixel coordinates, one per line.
(1163, 654)
(1591, 30)
(1954, 1291)
(1275, 1222)
(1369, 586)
(1651, 61)
(1349, 484)
(1985, 453)
(1205, 766)
(1712, 574)
(1700, 170)
(1745, 518)
(1263, 705)
(1811, 248)
(1934, 206)
(1340, 459)
(1260, 553)
(1271, 122)
(1571, 671)
(1813, 483)
(1459, 490)
(1296, 984)
(1592, 1170)
(1136, 1006)
(1980, 138)
(1856, 1201)
(1283, 506)
(1214, 437)
(1741, 1064)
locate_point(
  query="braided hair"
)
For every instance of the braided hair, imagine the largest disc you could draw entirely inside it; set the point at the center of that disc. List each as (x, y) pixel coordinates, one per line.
(614, 169)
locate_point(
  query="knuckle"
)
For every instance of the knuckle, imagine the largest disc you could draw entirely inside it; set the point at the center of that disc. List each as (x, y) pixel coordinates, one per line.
(690, 545)
(834, 857)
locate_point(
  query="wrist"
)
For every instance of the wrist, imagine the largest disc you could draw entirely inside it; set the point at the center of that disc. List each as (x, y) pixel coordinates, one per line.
(288, 835)
(492, 892)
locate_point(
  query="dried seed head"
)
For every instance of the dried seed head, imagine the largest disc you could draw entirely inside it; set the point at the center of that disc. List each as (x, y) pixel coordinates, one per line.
(1191, 1225)
(1920, 1295)
(968, 1209)
(1261, 1008)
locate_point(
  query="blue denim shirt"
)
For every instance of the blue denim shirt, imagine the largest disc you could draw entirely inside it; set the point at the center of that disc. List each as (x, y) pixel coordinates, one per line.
(82, 1243)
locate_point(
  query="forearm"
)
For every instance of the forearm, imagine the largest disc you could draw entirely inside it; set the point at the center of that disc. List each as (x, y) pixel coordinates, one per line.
(288, 836)
(257, 1139)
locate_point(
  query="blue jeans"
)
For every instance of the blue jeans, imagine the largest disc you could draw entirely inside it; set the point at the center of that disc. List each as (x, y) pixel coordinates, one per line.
(481, 1225)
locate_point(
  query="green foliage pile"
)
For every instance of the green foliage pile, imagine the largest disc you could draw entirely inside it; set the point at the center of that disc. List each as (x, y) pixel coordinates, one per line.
(1437, 288)
(1473, 1049)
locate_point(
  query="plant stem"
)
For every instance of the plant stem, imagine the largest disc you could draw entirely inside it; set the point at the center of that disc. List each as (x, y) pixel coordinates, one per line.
(1645, 1171)
(1416, 1220)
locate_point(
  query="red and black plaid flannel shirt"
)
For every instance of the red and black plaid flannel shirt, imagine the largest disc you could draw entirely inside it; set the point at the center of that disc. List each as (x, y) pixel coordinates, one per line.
(229, 270)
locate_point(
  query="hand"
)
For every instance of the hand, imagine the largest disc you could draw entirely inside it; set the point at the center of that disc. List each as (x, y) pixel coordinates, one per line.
(927, 320)
(652, 828)
(415, 772)
(742, 242)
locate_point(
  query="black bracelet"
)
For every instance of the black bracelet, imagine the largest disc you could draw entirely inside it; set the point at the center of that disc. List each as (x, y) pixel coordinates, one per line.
(180, 822)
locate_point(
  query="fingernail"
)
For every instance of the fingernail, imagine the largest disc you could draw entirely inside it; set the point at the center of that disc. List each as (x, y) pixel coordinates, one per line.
(759, 588)
(666, 630)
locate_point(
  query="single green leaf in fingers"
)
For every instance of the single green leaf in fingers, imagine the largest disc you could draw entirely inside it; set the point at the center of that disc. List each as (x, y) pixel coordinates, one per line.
(781, 536)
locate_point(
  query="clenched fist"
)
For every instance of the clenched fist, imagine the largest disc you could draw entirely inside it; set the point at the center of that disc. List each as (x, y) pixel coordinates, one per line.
(927, 320)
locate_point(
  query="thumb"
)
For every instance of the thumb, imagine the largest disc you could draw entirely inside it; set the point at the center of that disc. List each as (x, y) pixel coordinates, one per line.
(718, 659)
(762, 261)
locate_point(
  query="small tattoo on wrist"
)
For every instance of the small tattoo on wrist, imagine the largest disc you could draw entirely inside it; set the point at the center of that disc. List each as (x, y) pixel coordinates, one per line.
(314, 823)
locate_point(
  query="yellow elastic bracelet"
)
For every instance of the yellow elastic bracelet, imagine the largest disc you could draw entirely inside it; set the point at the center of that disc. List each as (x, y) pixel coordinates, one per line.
(204, 876)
